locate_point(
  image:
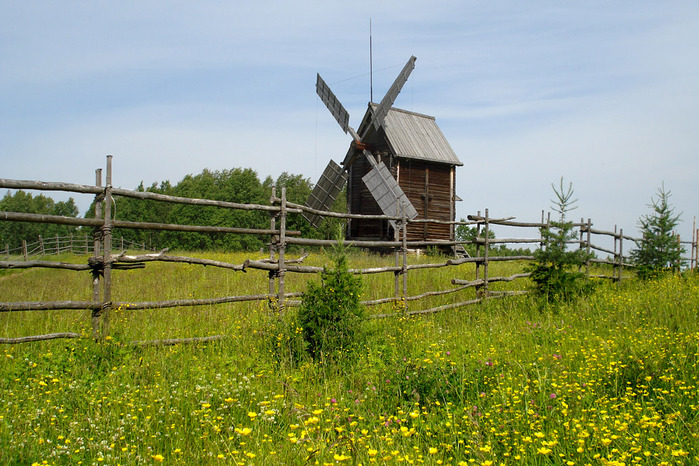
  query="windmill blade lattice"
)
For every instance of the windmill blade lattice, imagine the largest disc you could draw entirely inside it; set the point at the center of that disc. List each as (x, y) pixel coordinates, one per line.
(390, 97)
(381, 184)
(325, 191)
(388, 195)
(336, 109)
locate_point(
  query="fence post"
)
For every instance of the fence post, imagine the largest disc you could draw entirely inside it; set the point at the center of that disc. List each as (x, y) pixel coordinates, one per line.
(107, 253)
(478, 251)
(24, 249)
(589, 246)
(396, 238)
(541, 236)
(58, 245)
(580, 242)
(615, 262)
(272, 242)
(486, 254)
(404, 270)
(695, 247)
(621, 255)
(695, 244)
(282, 251)
(97, 237)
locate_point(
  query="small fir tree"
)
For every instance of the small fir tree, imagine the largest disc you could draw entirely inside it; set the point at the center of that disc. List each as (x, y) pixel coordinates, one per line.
(555, 271)
(659, 249)
(331, 312)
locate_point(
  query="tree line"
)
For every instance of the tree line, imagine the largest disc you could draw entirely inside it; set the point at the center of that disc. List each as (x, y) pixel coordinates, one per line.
(240, 185)
(659, 248)
(13, 233)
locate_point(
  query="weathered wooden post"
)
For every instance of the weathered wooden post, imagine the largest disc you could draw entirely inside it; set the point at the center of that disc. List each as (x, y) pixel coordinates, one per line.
(397, 253)
(404, 269)
(541, 235)
(693, 256)
(580, 240)
(589, 246)
(24, 249)
(478, 251)
(695, 245)
(615, 261)
(621, 255)
(107, 254)
(486, 254)
(273, 241)
(97, 238)
(282, 251)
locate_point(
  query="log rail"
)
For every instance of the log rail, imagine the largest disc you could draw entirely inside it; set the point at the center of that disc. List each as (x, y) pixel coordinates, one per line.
(104, 260)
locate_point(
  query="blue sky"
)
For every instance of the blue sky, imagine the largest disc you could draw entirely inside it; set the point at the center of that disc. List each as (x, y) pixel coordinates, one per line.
(604, 94)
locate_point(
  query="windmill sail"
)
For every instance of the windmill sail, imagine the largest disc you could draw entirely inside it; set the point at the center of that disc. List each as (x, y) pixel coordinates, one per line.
(381, 184)
(325, 191)
(334, 105)
(390, 97)
(388, 195)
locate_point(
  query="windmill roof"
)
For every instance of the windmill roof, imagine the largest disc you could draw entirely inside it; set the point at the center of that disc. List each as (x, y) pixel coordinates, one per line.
(416, 136)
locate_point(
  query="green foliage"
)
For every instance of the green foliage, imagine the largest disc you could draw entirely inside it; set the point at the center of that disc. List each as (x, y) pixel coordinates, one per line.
(470, 233)
(659, 250)
(12, 233)
(234, 185)
(555, 269)
(284, 339)
(331, 312)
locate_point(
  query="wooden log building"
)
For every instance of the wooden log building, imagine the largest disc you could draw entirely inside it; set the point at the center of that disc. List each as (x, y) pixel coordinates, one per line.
(423, 163)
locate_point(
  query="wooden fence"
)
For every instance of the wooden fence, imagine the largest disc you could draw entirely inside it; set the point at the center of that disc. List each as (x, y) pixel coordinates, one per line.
(103, 260)
(55, 245)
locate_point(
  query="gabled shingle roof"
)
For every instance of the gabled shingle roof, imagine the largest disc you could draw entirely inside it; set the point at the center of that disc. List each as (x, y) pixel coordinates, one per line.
(416, 136)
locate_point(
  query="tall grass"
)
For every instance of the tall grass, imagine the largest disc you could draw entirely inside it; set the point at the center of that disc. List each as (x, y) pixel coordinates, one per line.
(609, 379)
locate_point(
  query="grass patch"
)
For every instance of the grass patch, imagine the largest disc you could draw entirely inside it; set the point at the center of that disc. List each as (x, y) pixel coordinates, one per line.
(608, 378)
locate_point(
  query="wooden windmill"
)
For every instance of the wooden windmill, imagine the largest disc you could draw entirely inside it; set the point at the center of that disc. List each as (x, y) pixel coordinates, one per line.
(398, 161)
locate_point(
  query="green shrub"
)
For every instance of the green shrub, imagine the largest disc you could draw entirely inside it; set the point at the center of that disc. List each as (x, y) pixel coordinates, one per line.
(331, 312)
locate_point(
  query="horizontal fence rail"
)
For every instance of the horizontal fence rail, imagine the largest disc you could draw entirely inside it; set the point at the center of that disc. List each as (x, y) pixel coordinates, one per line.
(102, 260)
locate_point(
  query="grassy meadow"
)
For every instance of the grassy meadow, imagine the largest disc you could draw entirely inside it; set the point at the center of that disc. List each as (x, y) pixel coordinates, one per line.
(609, 379)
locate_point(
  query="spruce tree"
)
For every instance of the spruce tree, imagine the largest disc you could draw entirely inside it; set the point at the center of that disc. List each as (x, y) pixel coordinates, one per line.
(555, 271)
(659, 249)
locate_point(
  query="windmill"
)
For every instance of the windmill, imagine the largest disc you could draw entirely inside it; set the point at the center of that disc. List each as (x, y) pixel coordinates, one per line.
(383, 187)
